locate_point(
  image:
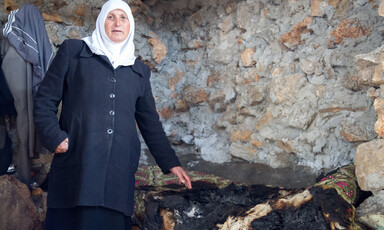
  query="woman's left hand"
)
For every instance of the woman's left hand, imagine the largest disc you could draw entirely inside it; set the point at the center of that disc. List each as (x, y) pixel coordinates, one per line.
(182, 175)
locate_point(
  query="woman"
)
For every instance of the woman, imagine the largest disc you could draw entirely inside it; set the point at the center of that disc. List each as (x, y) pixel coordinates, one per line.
(105, 91)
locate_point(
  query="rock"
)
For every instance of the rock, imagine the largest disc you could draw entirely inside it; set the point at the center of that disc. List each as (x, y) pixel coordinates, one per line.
(293, 38)
(371, 211)
(299, 116)
(285, 88)
(213, 148)
(243, 15)
(357, 129)
(264, 120)
(227, 24)
(246, 57)
(275, 157)
(341, 6)
(250, 95)
(244, 151)
(367, 65)
(167, 112)
(181, 106)
(370, 165)
(379, 107)
(316, 8)
(349, 28)
(196, 44)
(17, 210)
(151, 2)
(217, 101)
(344, 100)
(159, 49)
(10, 5)
(55, 17)
(248, 77)
(241, 135)
(74, 33)
(378, 77)
(195, 20)
(312, 65)
(381, 8)
(225, 49)
(52, 30)
(81, 9)
(173, 81)
(40, 201)
(75, 20)
(194, 95)
(377, 92)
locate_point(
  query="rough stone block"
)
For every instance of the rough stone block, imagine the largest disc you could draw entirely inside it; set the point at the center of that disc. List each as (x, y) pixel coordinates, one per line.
(250, 95)
(379, 107)
(378, 76)
(381, 8)
(55, 17)
(194, 95)
(357, 129)
(241, 135)
(81, 10)
(349, 28)
(293, 37)
(367, 64)
(371, 211)
(227, 24)
(159, 49)
(244, 14)
(286, 88)
(246, 57)
(167, 112)
(316, 10)
(10, 5)
(370, 165)
(17, 210)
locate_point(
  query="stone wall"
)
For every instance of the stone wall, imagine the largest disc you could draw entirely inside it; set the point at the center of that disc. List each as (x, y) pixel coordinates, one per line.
(369, 157)
(264, 81)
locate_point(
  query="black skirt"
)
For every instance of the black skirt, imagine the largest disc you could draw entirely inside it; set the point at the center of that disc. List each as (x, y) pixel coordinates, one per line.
(86, 218)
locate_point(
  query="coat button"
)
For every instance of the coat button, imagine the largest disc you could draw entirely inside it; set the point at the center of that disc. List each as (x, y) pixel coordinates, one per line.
(109, 131)
(112, 95)
(111, 112)
(113, 79)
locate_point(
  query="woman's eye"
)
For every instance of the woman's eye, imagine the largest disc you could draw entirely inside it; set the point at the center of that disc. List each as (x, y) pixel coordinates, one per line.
(110, 17)
(123, 18)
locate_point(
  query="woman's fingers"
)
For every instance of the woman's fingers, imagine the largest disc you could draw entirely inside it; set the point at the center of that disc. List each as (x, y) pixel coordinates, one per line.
(63, 147)
(182, 175)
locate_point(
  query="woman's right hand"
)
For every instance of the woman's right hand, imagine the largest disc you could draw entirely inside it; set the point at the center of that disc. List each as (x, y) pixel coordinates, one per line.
(63, 147)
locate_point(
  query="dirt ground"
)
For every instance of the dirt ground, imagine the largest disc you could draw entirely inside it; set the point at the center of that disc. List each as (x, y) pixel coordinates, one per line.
(245, 172)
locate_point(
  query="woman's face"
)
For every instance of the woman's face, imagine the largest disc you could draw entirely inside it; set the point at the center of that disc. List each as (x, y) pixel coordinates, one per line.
(117, 26)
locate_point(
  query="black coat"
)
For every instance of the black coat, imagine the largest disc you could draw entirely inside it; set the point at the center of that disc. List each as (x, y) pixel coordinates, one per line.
(100, 108)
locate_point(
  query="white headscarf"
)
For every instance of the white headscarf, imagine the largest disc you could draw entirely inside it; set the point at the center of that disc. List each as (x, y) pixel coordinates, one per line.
(122, 53)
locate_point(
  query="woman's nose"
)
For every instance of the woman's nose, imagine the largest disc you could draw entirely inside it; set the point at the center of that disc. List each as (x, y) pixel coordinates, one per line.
(117, 22)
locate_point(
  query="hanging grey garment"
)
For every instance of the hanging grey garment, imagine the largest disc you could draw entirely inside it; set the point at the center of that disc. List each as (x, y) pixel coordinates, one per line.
(26, 32)
(16, 71)
(18, 75)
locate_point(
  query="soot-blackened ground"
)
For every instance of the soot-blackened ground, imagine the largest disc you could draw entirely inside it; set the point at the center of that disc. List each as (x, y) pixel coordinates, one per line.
(308, 216)
(205, 205)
